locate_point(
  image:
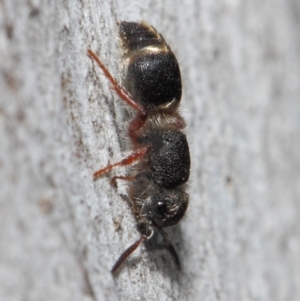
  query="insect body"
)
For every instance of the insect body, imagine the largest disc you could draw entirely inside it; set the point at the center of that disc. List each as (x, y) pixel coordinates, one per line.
(152, 87)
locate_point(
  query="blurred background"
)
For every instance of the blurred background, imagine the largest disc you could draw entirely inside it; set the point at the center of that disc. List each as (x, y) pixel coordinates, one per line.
(61, 232)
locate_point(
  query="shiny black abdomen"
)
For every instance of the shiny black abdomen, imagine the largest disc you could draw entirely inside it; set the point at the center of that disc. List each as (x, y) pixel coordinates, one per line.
(153, 79)
(152, 75)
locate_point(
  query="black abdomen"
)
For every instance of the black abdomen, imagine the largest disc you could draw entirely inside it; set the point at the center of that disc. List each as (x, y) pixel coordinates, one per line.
(152, 75)
(154, 79)
(136, 36)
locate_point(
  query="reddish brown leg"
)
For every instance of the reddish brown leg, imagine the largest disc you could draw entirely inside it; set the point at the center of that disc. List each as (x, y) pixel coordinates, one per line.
(119, 90)
(127, 252)
(134, 156)
(114, 179)
(135, 125)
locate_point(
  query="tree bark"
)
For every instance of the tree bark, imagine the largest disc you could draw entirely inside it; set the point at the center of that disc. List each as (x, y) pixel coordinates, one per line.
(61, 232)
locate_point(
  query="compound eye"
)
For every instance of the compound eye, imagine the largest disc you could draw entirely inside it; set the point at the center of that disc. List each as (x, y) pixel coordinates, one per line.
(160, 209)
(168, 208)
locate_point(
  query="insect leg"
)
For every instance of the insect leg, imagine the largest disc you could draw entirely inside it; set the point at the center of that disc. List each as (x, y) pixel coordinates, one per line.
(119, 90)
(133, 157)
(125, 178)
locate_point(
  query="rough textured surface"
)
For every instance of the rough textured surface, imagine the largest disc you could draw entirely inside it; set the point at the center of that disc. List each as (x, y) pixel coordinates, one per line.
(60, 232)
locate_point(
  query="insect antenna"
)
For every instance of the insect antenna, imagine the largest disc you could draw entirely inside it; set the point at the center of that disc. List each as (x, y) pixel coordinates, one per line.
(127, 252)
(169, 247)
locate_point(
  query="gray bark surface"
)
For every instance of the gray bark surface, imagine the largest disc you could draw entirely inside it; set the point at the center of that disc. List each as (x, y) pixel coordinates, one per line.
(61, 232)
